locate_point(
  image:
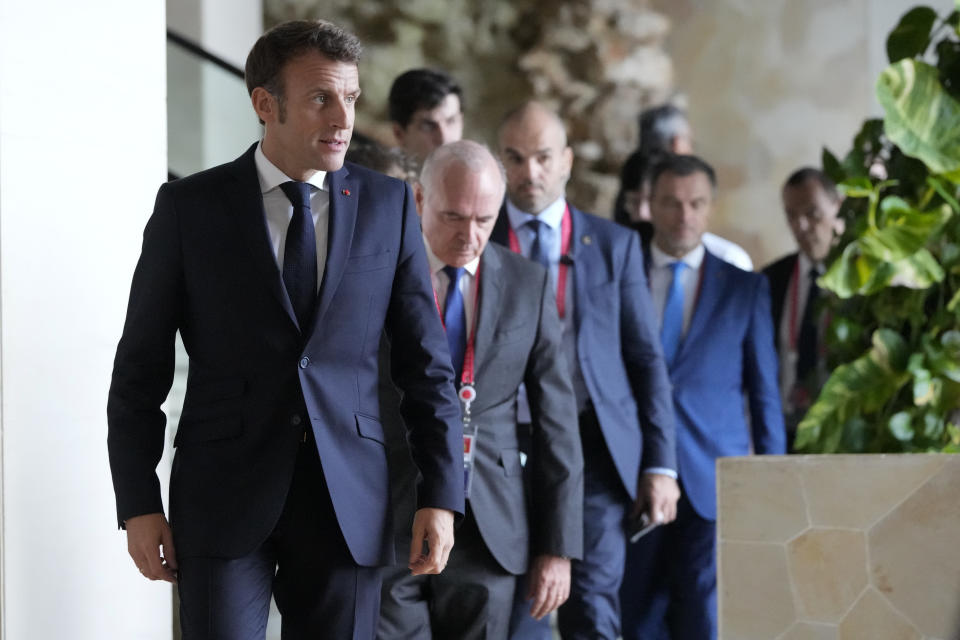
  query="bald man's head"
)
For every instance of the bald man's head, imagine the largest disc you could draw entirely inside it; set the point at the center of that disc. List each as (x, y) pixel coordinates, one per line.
(534, 151)
(458, 198)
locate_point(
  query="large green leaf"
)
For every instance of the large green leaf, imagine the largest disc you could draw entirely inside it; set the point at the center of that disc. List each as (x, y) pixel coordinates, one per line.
(920, 116)
(854, 389)
(911, 37)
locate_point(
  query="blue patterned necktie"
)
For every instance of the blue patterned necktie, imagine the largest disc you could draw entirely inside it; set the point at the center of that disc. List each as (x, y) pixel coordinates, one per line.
(454, 318)
(538, 250)
(672, 328)
(300, 254)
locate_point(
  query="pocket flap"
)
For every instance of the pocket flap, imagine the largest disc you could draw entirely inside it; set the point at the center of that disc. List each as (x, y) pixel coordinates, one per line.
(510, 461)
(207, 431)
(369, 427)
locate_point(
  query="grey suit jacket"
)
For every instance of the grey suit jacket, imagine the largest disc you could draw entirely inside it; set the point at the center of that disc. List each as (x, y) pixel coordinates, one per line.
(518, 341)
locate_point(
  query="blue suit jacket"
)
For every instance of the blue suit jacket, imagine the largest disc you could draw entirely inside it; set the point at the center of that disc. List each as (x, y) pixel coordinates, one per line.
(618, 346)
(256, 379)
(727, 351)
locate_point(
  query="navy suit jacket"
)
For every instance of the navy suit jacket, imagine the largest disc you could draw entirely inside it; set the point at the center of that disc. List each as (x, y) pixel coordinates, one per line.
(727, 351)
(256, 379)
(618, 346)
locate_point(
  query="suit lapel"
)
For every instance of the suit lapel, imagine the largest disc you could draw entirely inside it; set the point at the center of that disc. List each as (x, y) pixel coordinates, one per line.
(488, 306)
(344, 193)
(712, 283)
(246, 202)
(584, 255)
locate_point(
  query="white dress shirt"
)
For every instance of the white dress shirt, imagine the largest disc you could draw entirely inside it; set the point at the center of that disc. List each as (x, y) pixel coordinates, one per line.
(729, 252)
(441, 283)
(279, 210)
(661, 277)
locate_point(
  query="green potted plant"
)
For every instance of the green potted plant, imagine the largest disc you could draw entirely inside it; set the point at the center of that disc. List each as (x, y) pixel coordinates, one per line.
(893, 337)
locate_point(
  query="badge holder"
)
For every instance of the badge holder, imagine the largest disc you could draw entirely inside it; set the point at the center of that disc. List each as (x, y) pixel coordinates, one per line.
(467, 395)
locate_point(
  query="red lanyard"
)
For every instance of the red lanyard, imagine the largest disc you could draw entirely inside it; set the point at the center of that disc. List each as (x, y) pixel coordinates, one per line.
(466, 376)
(562, 268)
(794, 306)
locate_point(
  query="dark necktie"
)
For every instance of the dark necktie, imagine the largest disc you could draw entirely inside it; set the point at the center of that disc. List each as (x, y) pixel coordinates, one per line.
(300, 254)
(672, 328)
(807, 340)
(454, 318)
(538, 250)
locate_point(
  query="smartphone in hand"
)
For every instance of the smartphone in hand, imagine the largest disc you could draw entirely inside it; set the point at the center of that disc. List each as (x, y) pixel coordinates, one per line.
(641, 526)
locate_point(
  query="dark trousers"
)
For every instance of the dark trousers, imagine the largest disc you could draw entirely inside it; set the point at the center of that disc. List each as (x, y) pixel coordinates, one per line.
(470, 600)
(305, 563)
(593, 609)
(669, 588)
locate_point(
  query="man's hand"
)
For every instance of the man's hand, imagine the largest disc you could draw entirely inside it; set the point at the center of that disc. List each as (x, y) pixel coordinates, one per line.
(549, 584)
(657, 494)
(146, 536)
(435, 527)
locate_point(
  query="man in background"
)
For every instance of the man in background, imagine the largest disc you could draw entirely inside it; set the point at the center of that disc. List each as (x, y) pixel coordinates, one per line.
(718, 344)
(502, 329)
(663, 130)
(426, 111)
(611, 348)
(812, 207)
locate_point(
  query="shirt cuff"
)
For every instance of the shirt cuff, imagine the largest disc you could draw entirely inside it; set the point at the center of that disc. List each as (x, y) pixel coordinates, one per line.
(662, 471)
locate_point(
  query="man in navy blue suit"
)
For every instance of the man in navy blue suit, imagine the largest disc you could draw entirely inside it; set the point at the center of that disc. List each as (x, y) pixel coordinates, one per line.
(281, 271)
(613, 354)
(718, 342)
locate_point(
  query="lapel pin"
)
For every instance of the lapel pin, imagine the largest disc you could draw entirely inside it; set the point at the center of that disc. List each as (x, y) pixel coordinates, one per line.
(586, 240)
(345, 192)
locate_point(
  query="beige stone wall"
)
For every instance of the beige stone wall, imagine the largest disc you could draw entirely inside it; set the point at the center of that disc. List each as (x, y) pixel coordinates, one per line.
(839, 547)
(597, 62)
(768, 85)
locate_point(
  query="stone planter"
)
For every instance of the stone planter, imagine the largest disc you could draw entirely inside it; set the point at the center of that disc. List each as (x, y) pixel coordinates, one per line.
(839, 547)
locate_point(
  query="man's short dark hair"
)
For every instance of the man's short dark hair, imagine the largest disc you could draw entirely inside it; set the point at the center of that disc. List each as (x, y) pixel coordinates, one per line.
(800, 176)
(682, 166)
(659, 126)
(419, 89)
(289, 40)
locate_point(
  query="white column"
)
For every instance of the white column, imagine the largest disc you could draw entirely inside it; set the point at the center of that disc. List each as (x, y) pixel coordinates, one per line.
(82, 152)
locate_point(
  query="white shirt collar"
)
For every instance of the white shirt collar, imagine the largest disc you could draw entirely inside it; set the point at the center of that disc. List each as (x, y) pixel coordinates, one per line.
(693, 259)
(436, 264)
(271, 176)
(552, 215)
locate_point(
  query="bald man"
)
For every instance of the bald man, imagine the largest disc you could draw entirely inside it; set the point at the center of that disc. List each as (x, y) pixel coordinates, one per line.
(611, 346)
(502, 328)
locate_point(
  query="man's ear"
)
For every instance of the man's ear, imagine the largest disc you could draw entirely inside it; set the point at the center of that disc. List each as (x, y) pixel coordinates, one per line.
(265, 104)
(567, 156)
(418, 197)
(398, 133)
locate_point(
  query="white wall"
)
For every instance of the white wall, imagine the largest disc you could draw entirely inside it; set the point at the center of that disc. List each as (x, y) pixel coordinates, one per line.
(82, 152)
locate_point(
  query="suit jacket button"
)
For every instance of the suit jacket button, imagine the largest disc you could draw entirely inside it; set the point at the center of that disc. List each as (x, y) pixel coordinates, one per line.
(295, 420)
(304, 362)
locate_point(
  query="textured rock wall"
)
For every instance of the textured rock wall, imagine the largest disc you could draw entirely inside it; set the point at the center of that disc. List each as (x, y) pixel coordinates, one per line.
(598, 63)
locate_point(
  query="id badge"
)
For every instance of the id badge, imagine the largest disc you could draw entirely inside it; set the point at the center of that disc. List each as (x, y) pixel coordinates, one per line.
(469, 456)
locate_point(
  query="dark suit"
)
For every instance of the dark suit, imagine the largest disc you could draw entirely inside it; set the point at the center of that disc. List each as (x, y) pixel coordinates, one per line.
(726, 352)
(258, 384)
(628, 425)
(517, 341)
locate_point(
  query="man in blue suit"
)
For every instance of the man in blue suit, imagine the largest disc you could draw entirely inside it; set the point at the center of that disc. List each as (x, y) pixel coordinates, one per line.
(613, 354)
(718, 342)
(281, 270)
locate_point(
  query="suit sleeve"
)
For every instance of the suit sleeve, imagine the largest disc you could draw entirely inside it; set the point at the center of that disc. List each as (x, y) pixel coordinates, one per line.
(760, 375)
(143, 368)
(645, 364)
(420, 366)
(556, 461)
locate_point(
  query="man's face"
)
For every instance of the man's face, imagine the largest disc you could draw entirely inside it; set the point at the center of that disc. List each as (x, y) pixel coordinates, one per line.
(309, 130)
(680, 207)
(431, 128)
(812, 216)
(458, 213)
(537, 161)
